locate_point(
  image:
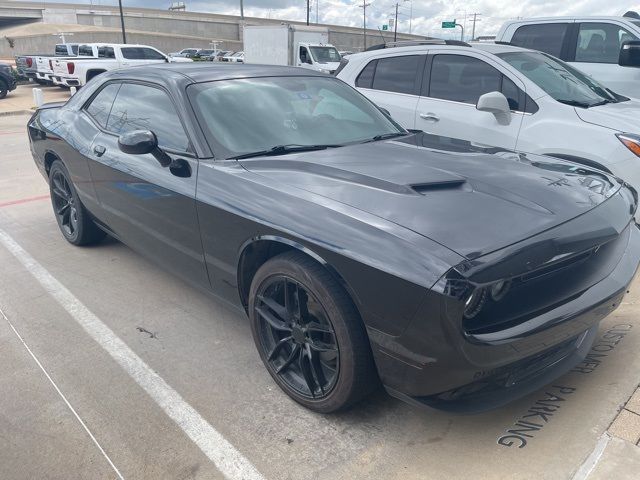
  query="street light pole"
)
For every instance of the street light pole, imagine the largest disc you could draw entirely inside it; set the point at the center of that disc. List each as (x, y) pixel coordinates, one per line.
(124, 34)
(308, 8)
(242, 9)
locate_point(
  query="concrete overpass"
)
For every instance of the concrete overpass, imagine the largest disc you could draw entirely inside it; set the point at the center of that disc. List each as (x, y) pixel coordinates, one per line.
(31, 27)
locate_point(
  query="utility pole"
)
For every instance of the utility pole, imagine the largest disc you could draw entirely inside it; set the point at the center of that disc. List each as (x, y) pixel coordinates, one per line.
(308, 8)
(124, 34)
(410, 14)
(475, 19)
(364, 20)
(242, 9)
(395, 25)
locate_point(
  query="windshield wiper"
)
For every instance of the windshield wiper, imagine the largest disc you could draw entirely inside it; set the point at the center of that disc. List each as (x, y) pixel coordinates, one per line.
(575, 103)
(284, 149)
(385, 136)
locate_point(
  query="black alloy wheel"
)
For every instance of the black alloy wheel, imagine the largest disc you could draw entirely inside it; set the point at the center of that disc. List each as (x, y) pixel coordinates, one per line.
(74, 220)
(64, 205)
(297, 336)
(309, 334)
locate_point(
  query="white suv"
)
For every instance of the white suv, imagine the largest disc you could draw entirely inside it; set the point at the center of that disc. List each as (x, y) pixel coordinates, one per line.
(502, 96)
(607, 48)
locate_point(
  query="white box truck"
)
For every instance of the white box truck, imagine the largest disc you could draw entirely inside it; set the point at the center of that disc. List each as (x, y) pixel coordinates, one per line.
(294, 45)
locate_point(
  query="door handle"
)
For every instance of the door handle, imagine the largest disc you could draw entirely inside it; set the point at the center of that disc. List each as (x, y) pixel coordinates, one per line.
(430, 117)
(99, 150)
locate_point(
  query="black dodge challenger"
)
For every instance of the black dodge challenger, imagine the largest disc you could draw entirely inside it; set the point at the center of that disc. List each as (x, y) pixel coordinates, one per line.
(458, 277)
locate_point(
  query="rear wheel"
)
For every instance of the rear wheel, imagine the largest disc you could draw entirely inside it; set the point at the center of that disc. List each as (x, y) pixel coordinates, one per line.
(309, 334)
(74, 220)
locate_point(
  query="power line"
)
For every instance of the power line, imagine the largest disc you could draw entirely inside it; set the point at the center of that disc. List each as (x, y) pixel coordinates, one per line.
(364, 20)
(475, 19)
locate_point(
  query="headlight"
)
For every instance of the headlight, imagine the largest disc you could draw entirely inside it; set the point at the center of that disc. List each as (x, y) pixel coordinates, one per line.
(631, 141)
(474, 302)
(499, 289)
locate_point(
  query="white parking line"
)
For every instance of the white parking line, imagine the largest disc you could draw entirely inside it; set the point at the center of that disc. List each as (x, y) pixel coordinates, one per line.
(75, 414)
(229, 461)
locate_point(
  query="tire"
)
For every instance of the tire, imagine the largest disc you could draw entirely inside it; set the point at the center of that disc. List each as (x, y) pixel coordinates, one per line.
(3, 89)
(332, 366)
(73, 219)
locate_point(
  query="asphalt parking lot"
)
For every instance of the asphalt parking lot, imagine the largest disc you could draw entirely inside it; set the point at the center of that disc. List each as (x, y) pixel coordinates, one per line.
(74, 404)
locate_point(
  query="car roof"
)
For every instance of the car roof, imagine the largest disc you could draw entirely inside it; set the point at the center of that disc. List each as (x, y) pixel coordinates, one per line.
(568, 18)
(493, 48)
(207, 71)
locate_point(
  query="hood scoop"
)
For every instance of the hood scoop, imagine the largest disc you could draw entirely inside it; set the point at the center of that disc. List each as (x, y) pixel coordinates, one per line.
(425, 188)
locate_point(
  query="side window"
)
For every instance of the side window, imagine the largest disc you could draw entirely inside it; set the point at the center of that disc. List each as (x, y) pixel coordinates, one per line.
(100, 106)
(304, 55)
(396, 74)
(462, 79)
(61, 50)
(601, 42)
(106, 52)
(141, 53)
(365, 79)
(514, 95)
(140, 107)
(546, 37)
(85, 51)
(74, 49)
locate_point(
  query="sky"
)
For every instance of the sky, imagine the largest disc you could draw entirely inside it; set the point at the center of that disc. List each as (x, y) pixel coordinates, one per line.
(423, 17)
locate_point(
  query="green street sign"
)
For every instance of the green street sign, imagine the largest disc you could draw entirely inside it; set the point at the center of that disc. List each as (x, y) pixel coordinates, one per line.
(385, 27)
(449, 24)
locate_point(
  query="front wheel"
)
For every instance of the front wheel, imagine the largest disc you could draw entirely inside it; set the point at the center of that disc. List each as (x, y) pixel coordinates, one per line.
(74, 220)
(3, 89)
(309, 334)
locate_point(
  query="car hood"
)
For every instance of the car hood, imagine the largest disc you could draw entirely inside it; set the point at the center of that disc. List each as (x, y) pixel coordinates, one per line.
(621, 116)
(471, 200)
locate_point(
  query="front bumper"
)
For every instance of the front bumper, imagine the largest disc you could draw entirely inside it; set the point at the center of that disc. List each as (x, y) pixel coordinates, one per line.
(436, 363)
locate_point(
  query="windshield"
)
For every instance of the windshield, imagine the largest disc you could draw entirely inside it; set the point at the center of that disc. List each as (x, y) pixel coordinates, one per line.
(325, 54)
(251, 115)
(561, 81)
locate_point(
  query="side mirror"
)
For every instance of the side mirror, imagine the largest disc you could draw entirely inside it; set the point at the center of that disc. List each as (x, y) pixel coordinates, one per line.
(142, 142)
(496, 103)
(630, 54)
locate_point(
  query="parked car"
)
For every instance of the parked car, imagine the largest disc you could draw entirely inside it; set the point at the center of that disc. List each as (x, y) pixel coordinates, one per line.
(358, 250)
(237, 57)
(59, 66)
(7, 79)
(110, 57)
(503, 96)
(37, 67)
(204, 54)
(607, 48)
(185, 52)
(220, 55)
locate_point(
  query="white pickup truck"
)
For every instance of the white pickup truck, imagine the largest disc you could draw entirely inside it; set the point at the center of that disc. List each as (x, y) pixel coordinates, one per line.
(78, 71)
(38, 67)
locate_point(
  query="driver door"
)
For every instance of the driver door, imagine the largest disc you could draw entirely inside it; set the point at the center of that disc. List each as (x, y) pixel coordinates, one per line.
(451, 88)
(149, 207)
